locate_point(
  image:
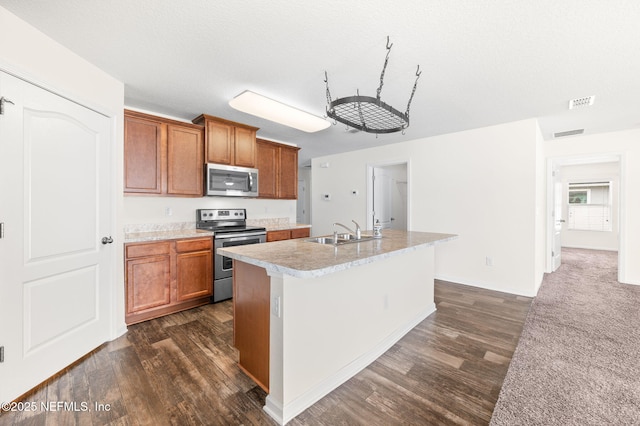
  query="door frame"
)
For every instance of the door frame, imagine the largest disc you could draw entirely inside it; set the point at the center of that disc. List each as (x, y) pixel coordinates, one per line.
(586, 159)
(370, 167)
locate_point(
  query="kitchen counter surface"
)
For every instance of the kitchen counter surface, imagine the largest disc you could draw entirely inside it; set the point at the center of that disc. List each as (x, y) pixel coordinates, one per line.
(138, 237)
(304, 259)
(287, 226)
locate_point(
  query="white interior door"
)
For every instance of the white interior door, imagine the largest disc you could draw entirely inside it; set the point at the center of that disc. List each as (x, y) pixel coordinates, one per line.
(558, 222)
(301, 207)
(382, 199)
(56, 207)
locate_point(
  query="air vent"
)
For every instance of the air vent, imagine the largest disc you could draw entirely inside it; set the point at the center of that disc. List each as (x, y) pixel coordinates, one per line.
(581, 102)
(568, 133)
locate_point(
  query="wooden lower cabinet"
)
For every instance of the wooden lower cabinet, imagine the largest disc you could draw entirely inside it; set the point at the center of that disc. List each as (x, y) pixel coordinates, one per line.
(288, 234)
(251, 316)
(167, 276)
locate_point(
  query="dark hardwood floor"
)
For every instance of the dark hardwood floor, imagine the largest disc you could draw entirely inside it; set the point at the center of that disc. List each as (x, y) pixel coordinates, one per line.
(181, 370)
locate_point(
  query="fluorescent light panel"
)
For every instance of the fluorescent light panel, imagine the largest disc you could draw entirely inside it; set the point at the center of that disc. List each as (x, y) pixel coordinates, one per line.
(263, 107)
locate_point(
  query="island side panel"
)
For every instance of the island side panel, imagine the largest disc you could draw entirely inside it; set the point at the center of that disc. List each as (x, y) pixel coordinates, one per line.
(251, 295)
(334, 325)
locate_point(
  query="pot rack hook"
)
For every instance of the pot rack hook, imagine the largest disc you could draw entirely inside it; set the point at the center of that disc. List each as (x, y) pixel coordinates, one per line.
(418, 72)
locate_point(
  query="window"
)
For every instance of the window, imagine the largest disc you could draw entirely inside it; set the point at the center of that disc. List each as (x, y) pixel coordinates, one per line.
(590, 206)
(579, 196)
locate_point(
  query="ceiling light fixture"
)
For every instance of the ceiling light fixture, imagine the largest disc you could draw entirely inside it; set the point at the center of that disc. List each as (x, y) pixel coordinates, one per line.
(367, 113)
(269, 109)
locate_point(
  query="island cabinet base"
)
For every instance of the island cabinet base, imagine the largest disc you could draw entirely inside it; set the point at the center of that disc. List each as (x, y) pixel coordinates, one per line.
(324, 329)
(251, 295)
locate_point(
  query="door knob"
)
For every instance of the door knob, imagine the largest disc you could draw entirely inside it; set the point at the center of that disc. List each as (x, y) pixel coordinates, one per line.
(107, 240)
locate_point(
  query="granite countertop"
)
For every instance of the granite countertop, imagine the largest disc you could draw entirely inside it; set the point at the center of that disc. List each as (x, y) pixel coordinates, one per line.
(304, 259)
(138, 237)
(282, 227)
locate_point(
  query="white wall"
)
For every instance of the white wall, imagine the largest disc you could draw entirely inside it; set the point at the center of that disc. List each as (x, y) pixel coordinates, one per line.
(448, 180)
(625, 143)
(143, 209)
(29, 54)
(598, 240)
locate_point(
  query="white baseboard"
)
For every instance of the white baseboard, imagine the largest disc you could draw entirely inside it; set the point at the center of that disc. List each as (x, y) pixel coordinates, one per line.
(486, 286)
(591, 248)
(282, 413)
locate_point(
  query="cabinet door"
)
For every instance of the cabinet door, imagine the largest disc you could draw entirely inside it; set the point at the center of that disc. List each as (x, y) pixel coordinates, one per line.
(148, 283)
(185, 160)
(245, 147)
(300, 233)
(267, 164)
(278, 235)
(219, 142)
(143, 155)
(288, 181)
(194, 275)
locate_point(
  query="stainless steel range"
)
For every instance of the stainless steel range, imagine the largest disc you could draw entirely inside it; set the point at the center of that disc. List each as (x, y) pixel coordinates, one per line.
(230, 229)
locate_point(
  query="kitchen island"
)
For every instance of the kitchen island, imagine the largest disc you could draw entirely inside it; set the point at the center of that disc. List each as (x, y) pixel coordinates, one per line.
(309, 316)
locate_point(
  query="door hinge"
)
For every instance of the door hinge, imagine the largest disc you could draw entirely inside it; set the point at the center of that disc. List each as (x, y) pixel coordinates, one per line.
(2, 102)
(1, 353)
(1, 230)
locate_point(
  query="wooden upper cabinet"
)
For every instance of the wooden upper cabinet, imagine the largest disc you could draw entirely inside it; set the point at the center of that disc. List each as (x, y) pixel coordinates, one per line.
(268, 156)
(185, 159)
(278, 166)
(144, 140)
(162, 156)
(228, 142)
(245, 147)
(288, 172)
(219, 142)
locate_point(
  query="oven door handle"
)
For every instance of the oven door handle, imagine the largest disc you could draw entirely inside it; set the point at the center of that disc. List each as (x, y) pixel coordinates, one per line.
(238, 237)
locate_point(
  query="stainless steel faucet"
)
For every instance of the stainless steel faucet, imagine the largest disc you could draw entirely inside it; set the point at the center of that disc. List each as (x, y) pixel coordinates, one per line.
(357, 232)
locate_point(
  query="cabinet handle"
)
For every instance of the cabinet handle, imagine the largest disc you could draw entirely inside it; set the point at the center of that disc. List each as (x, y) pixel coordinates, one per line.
(107, 240)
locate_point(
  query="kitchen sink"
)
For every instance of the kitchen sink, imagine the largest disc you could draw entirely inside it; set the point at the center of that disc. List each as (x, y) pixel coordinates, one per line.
(342, 239)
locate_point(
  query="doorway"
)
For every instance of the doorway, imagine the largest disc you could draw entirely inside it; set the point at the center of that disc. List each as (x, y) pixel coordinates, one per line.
(55, 258)
(569, 182)
(388, 195)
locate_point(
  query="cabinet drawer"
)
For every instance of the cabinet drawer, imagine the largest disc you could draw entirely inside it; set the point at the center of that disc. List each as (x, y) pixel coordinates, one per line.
(278, 235)
(194, 245)
(300, 233)
(146, 249)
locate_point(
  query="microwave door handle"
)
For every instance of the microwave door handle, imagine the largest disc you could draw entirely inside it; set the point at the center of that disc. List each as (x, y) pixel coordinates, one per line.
(250, 181)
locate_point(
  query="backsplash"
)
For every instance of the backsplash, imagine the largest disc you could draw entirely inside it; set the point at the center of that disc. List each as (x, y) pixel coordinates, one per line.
(270, 223)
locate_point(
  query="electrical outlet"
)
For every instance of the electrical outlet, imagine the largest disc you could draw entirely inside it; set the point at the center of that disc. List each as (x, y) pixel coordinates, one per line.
(276, 307)
(168, 211)
(489, 261)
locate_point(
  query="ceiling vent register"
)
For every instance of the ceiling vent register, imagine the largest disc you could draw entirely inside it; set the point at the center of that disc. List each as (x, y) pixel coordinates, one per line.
(581, 102)
(568, 133)
(367, 113)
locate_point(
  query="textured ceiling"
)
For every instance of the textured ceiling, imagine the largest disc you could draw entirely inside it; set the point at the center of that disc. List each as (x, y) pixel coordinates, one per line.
(484, 62)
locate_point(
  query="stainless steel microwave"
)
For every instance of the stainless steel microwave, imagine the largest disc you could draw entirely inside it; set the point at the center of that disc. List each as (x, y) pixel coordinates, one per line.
(230, 181)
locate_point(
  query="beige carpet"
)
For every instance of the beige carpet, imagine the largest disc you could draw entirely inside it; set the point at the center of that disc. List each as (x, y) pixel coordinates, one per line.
(578, 358)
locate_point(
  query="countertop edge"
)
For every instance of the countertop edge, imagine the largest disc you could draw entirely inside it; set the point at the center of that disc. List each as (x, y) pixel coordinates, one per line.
(313, 273)
(141, 237)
